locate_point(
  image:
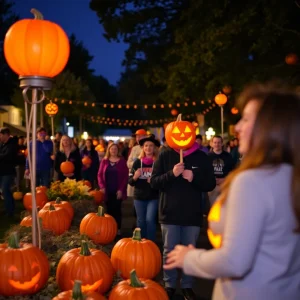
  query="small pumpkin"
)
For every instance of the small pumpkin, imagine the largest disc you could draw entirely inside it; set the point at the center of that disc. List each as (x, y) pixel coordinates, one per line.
(291, 59)
(134, 288)
(54, 219)
(24, 268)
(180, 134)
(98, 196)
(99, 227)
(41, 188)
(86, 161)
(41, 199)
(26, 221)
(92, 266)
(77, 294)
(234, 111)
(136, 253)
(100, 148)
(18, 195)
(67, 167)
(51, 109)
(95, 142)
(63, 204)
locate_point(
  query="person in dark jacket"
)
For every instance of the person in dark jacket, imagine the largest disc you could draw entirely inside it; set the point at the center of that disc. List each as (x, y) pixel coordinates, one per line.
(68, 152)
(145, 198)
(8, 160)
(180, 209)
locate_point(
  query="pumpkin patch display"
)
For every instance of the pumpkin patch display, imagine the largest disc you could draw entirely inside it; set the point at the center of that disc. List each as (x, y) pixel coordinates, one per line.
(24, 268)
(99, 227)
(67, 167)
(134, 288)
(54, 219)
(180, 135)
(26, 221)
(58, 203)
(41, 199)
(77, 294)
(86, 161)
(18, 195)
(98, 196)
(136, 253)
(91, 266)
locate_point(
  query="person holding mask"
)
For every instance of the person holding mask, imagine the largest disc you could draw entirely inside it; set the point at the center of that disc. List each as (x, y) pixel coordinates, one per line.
(145, 198)
(68, 152)
(258, 257)
(112, 181)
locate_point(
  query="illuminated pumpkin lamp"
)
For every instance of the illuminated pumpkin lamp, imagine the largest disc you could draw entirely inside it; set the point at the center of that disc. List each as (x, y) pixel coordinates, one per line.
(37, 50)
(51, 110)
(174, 112)
(221, 100)
(234, 111)
(291, 59)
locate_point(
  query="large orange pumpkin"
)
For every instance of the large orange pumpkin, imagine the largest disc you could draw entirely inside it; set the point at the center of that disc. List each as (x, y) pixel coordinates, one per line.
(86, 161)
(99, 227)
(51, 109)
(54, 219)
(63, 204)
(67, 167)
(24, 268)
(93, 267)
(36, 47)
(77, 294)
(136, 253)
(41, 199)
(98, 196)
(134, 288)
(26, 221)
(180, 134)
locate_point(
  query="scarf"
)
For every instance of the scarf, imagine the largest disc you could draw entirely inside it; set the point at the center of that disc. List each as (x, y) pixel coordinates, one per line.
(194, 148)
(147, 160)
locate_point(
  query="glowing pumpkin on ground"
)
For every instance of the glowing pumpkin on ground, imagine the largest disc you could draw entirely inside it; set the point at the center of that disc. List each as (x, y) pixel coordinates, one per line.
(58, 203)
(41, 199)
(26, 221)
(136, 253)
(134, 288)
(67, 167)
(24, 268)
(180, 134)
(18, 195)
(77, 294)
(51, 109)
(93, 267)
(98, 196)
(86, 161)
(36, 47)
(54, 219)
(99, 227)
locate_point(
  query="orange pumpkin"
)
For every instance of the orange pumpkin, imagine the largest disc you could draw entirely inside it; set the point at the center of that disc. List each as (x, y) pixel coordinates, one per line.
(24, 268)
(99, 227)
(77, 293)
(41, 199)
(291, 59)
(26, 221)
(180, 134)
(92, 266)
(136, 253)
(62, 204)
(18, 195)
(54, 219)
(134, 288)
(95, 142)
(100, 148)
(86, 161)
(227, 89)
(234, 111)
(98, 196)
(36, 47)
(174, 112)
(221, 99)
(51, 109)
(67, 167)
(41, 188)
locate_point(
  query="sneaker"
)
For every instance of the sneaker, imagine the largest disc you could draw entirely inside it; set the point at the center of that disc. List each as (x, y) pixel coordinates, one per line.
(170, 291)
(189, 294)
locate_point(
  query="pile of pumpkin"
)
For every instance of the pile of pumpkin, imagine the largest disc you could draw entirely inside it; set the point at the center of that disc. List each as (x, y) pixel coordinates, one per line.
(25, 268)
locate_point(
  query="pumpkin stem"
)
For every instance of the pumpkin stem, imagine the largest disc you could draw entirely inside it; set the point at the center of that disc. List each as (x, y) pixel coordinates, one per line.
(51, 207)
(137, 234)
(100, 211)
(58, 200)
(37, 15)
(85, 251)
(13, 241)
(178, 118)
(134, 280)
(76, 292)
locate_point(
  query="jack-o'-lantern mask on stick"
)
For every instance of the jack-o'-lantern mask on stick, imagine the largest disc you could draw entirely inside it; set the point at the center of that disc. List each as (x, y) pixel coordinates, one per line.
(180, 135)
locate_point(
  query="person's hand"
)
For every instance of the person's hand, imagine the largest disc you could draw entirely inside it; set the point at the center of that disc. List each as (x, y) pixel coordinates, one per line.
(148, 179)
(178, 169)
(137, 174)
(119, 195)
(175, 258)
(52, 157)
(188, 175)
(68, 174)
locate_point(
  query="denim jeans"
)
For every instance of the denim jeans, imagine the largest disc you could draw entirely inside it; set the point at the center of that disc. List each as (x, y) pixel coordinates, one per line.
(6, 182)
(43, 177)
(146, 212)
(173, 235)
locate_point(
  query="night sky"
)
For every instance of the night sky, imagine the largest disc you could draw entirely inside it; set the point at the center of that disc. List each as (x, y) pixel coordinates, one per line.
(75, 16)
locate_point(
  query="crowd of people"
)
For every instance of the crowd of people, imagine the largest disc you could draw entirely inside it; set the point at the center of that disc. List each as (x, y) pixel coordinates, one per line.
(256, 181)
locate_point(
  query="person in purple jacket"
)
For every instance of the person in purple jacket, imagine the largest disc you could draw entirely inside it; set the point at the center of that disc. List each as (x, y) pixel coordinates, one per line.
(112, 180)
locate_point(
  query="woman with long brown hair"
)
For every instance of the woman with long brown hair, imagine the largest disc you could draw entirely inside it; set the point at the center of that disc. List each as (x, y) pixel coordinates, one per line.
(257, 254)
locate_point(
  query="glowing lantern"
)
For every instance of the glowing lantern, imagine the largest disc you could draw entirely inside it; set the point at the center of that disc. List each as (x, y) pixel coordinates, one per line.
(174, 112)
(51, 109)
(234, 111)
(221, 99)
(95, 143)
(291, 59)
(227, 89)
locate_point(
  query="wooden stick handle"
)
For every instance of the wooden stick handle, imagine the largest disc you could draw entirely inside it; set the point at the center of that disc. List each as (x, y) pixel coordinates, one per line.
(181, 156)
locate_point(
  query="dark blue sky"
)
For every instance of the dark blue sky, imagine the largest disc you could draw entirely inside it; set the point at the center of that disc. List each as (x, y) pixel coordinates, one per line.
(75, 16)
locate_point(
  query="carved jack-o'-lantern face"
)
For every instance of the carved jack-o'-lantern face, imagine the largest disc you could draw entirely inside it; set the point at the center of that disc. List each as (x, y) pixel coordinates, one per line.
(90, 287)
(51, 109)
(180, 134)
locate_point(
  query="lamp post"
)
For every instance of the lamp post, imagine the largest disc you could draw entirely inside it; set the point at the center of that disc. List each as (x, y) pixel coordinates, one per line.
(221, 100)
(37, 50)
